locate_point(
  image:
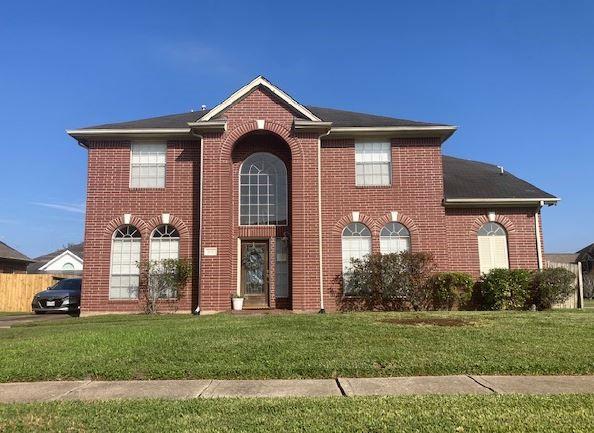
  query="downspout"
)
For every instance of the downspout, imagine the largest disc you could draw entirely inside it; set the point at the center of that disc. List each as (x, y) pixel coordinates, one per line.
(197, 310)
(537, 231)
(320, 243)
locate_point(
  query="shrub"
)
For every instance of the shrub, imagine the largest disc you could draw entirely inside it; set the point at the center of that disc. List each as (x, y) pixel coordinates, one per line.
(449, 289)
(162, 280)
(551, 286)
(503, 289)
(388, 282)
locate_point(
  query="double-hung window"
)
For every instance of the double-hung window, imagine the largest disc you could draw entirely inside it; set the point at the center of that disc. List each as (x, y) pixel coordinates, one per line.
(147, 169)
(373, 163)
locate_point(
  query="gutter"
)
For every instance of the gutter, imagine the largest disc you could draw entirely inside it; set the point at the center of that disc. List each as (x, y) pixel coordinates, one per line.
(444, 132)
(320, 241)
(537, 233)
(461, 202)
(197, 310)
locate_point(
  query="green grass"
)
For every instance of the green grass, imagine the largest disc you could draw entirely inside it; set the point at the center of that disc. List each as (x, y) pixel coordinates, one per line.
(225, 346)
(589, 303)
(517, 413)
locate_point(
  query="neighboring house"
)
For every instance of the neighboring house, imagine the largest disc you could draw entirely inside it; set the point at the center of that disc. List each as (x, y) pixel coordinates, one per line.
(271, 199)
(67, 261)
(561, 257)
(12, 261)
(586, 257)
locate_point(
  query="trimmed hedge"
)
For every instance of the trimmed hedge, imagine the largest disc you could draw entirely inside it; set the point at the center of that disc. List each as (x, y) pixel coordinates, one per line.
(551, 286)
(450, 289)
(503, 289)
(520, 289)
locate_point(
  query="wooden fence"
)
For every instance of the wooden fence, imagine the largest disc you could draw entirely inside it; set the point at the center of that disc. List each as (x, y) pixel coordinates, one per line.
(17, 290)
(576, 300)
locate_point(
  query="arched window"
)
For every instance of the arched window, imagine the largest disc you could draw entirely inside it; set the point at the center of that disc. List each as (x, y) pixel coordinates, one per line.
(356, 244)
(492, 242)
(394, 238)
(67, 266)
(263, 190)
(125, 255)
(164, 243)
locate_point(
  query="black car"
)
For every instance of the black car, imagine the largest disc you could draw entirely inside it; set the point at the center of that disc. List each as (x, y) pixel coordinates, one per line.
(64, 297)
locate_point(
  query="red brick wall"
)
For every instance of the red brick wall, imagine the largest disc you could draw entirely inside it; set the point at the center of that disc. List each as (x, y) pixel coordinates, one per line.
(416, 193)
(220, 221)
(109, 197)
(463, 224)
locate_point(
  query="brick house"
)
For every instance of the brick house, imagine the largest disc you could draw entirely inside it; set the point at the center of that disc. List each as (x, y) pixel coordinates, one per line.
(270, 198)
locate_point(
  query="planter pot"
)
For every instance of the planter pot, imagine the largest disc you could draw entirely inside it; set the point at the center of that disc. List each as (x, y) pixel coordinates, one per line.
(237, 303)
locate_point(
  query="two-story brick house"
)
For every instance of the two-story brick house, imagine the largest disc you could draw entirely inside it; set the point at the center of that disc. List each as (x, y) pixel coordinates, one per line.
(270, 198)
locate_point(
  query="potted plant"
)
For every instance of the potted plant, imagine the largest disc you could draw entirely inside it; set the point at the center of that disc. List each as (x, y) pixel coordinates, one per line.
(237, 302)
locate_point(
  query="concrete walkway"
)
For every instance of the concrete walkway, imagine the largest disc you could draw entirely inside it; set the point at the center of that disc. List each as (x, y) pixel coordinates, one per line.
(186, 389)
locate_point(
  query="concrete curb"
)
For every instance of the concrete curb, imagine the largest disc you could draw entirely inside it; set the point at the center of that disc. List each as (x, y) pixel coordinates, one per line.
(25, 392)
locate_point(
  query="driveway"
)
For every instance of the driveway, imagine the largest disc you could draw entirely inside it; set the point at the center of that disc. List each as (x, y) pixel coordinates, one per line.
(18, 319)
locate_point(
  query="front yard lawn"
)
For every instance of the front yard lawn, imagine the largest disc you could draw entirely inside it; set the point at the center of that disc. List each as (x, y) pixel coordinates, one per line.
(511, 413)
(226, 346)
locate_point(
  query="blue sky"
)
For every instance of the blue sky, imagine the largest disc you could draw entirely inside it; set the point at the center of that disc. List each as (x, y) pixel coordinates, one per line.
(516, 77)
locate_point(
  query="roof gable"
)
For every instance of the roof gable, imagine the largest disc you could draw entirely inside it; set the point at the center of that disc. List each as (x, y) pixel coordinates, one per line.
(259, 81)
(67, 254)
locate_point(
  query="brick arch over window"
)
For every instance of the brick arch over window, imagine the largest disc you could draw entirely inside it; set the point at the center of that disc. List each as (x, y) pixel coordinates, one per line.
(140, 224)
(237, 133)
(507, 224)
(182, 229)
(364, 219)
(402, 219)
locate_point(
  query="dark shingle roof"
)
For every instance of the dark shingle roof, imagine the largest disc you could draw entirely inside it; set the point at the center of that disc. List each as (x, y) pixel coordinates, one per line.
(42, 260)
(351, 118)
(337, 117)
(478, 180)
(170, 121)
(7, 252)
(586, 253)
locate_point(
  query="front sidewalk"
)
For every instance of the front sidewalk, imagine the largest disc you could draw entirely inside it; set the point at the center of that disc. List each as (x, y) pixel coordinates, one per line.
(24, 392)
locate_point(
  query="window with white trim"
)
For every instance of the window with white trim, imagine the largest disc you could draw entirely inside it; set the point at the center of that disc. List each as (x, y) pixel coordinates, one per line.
(394, 238)
(125, 255)
(373, 162)
(492, 243)
(164, 243)
(356, 244)
(263, 190)
(164, 246)
(147, 165)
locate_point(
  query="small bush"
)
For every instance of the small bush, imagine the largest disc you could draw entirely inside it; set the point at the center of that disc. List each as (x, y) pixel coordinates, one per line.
(551, 286)
(450, 289)
(162, 281)
(387, 282)
(503, 289)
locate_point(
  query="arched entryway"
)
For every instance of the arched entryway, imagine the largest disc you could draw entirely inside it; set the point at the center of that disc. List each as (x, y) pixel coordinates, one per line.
(262, 215)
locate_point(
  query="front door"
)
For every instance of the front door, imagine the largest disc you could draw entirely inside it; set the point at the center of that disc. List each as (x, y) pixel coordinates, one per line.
(254, 273)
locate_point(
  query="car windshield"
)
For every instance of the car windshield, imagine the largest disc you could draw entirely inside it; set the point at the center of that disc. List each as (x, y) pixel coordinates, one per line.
(68, 284)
